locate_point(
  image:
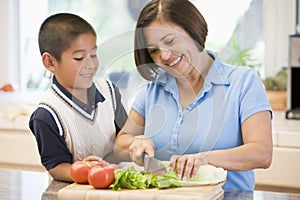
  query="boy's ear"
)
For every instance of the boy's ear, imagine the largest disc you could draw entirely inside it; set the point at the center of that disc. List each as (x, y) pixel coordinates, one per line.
(49, 61)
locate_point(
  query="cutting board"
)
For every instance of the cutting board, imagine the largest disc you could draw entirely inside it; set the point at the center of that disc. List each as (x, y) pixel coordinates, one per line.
(87, 192)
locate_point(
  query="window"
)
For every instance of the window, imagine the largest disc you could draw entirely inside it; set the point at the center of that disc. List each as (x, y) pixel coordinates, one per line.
(114, 20)
(109, 18)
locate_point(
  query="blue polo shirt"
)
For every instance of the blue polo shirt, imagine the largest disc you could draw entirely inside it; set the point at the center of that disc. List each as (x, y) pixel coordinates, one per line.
(213, 121)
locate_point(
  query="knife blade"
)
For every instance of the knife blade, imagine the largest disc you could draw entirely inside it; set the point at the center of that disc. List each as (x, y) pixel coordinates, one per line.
(154, 166)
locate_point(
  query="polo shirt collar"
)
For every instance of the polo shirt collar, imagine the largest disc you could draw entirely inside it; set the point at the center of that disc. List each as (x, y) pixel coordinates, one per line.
(217, 74)
(168, 81)
(94, 96)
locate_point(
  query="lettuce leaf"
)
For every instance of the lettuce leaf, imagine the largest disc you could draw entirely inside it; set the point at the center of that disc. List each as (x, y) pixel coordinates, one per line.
(169, 179)
(130, 178)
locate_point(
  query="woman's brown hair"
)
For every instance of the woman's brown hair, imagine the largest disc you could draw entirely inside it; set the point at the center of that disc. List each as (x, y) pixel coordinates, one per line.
(179, 12)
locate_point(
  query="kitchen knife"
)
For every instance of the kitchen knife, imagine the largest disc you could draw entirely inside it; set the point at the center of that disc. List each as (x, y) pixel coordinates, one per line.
(154, 166)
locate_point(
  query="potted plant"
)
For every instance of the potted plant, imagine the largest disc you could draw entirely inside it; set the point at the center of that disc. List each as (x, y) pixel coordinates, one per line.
(276, 87)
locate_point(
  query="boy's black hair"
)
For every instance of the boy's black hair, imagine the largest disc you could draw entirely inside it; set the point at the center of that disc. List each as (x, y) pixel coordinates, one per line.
(58, 31)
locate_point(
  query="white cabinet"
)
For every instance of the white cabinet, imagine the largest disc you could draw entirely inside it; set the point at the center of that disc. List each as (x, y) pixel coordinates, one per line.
(284, 170)
(17, 143)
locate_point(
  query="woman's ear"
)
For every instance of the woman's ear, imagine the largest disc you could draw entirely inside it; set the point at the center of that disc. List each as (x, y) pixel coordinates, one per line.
(49, 61)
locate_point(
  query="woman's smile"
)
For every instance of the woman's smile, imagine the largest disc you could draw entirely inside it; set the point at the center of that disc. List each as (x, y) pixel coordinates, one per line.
(175, 62)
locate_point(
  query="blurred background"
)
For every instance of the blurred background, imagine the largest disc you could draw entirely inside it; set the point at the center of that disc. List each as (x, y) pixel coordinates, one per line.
(248, 32)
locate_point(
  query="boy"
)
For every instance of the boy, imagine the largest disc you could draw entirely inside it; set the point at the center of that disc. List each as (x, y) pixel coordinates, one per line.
(79, 116)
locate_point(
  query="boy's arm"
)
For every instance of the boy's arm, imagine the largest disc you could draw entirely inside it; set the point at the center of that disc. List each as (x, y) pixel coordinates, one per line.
(51, 145)
(61, 172)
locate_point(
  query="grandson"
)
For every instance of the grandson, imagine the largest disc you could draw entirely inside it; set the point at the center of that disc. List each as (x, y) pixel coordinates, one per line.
(79, 116)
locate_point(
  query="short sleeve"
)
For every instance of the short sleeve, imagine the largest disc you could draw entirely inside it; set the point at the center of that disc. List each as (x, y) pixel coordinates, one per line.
(139, 103)
(253, 96)
(51, 145)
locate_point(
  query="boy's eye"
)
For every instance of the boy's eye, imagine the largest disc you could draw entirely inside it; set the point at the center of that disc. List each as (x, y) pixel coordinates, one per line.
(78, 59)
(93, 55)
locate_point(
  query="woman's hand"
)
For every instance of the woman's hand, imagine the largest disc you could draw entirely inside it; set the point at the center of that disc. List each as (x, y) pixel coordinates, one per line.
(141, 144)
(187, 165)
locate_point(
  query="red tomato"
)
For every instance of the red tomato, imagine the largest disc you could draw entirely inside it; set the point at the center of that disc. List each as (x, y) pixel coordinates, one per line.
(101, 177)
(79, 171)
(7, 88)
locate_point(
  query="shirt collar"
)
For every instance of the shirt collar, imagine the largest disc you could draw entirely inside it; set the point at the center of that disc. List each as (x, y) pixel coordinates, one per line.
(217, 74)
(168, 81)
(94, 96)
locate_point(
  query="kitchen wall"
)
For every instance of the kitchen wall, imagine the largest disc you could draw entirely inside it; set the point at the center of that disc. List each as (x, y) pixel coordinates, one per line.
(9, 63)
(279, 23)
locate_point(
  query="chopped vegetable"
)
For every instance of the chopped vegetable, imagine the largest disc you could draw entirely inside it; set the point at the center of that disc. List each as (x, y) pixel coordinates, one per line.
(129, 178)
(168, 180)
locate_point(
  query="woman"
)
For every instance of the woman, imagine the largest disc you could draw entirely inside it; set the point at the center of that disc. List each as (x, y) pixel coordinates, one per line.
(195, 109)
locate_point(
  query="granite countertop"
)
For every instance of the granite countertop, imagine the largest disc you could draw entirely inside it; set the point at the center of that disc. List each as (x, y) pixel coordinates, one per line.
(18, 184)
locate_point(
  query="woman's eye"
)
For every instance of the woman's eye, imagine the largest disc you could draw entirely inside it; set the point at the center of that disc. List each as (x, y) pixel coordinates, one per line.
(168, 42)
(152, 51)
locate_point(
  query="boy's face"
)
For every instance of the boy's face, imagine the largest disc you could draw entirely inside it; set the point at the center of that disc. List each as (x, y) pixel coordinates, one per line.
(79, 64)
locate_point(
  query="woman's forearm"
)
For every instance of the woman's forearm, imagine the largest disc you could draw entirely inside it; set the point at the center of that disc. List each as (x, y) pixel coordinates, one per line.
(121, 148)
(246, 157)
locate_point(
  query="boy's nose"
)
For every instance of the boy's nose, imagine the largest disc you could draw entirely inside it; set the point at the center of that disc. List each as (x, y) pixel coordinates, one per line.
(91, 63)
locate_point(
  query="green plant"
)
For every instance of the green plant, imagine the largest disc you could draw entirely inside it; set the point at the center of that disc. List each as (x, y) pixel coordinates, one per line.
(242, 57)
(278, 82)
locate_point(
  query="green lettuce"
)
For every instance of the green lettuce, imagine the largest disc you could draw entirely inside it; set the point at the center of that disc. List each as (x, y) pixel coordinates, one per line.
(129, 178)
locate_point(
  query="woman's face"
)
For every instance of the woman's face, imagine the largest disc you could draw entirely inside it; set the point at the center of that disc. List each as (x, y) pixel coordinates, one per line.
(79, 63)
(172, 48)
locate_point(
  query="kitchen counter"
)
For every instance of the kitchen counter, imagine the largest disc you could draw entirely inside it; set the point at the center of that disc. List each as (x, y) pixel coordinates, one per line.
(22, 152)
(18, 184)
(284, 170)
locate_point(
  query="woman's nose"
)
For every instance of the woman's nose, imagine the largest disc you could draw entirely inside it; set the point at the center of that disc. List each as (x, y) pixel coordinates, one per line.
(165, 54)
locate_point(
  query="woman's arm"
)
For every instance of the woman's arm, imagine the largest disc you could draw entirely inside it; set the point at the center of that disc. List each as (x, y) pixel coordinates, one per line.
(130, 143)
(257, 149)
(256, 152)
